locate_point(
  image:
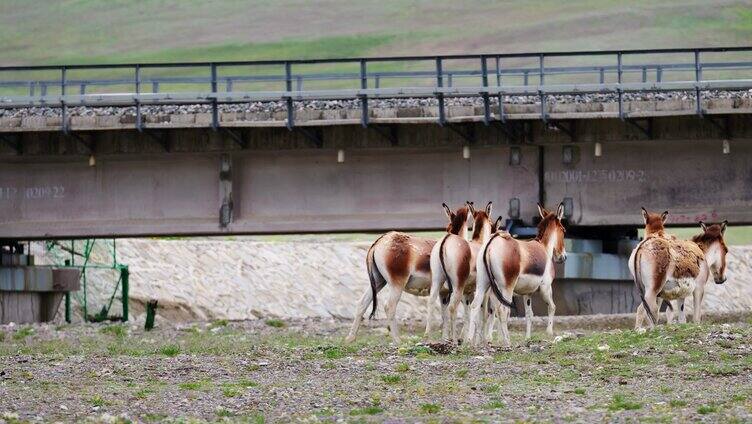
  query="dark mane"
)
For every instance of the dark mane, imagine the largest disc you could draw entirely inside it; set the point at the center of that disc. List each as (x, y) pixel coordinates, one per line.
(711, 234)
(543, 226)
(458, 220)
(478, 224)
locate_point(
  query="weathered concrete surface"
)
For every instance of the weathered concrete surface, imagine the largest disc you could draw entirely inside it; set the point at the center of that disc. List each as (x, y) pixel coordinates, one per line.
(246, 279)
(170, 182)
(33, 293)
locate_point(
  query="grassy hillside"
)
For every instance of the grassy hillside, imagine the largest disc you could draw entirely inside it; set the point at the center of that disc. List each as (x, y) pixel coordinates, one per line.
(82, 31)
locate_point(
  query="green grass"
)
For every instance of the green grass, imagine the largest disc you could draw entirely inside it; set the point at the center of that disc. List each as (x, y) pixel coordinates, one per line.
(98, 400)
(707, 409)
(117, 330)
(276, 323)
(368, 410)
(391, 379)
(194, 385)
(622, 403)
(23, 333)
(430, 408)
(170, 350)
(76, 31)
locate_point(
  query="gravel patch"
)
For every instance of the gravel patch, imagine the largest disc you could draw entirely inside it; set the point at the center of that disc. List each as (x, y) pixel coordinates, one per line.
(399, 103)
(300, 371)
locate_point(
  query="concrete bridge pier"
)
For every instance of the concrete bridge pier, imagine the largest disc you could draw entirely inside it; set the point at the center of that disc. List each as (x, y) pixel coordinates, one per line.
(30, 293)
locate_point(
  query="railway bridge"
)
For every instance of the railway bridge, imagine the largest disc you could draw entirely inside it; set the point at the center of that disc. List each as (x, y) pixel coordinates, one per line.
(371, 144)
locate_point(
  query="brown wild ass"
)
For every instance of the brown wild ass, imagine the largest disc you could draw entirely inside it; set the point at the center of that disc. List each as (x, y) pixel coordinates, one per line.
(510, 266)
(671, 269)
(453, 261)
(401, 262)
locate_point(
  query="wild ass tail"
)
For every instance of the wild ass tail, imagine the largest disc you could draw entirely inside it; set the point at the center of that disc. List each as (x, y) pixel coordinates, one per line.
(373, 275)
(494, 286)
(443, 265)
(640, 286)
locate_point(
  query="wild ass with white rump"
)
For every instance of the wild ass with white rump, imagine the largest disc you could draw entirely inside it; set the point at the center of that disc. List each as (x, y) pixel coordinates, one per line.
(510, 266)
(670, 269)
(401, 262)
(453, 261)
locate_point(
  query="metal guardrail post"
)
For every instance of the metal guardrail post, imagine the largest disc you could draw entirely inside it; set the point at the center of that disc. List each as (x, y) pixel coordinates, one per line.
(68, 307)
(64, 108)
(502, 117)
(542, 82)
(486, 101)
(125, 277)
(440, 95)
(619, 80)
(288, 87)
(137, 77)
(698, 78)
(363, 97)
(215, 109)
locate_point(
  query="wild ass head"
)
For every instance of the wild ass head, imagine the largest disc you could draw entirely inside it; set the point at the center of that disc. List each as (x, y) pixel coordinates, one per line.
(482, 226)
(457, 220)
(551, 232)
(711, 242)
(653, 222)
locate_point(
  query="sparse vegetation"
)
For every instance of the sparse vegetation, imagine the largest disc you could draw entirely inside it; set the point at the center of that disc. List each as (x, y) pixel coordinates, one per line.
(430, 408)
(170, 350)
(276, 323)
(621, 402)
(117, 330)
(707, 409)
(244, 361)
(23, 333)
(391, 379)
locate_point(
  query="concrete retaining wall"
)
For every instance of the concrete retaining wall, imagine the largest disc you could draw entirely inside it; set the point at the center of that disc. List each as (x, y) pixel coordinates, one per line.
(205, 279)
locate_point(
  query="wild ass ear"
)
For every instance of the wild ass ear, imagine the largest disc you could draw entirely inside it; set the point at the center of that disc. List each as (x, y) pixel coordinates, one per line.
(497, 224)
(703, 226)
(542, 211)
(645, 215)
(664, 216)
(723, 226)
(471, 207)
(560, 211)
(448, 211)
(488, 208)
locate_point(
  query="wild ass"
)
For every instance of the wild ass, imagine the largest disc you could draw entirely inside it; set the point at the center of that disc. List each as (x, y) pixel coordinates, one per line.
(671, 269)
(453, 261)
(402, 262)
(510, 266)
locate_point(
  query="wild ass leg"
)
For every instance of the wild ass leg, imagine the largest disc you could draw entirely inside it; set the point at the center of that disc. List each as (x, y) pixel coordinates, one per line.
(475, 325)
(395, 292)
(437, 281)
(669, 310)
(445, 323)
(360, 309)
(697, 297)
(466, 301)
(682, 315)
(454, 303)
(490, 317)
(503, 312)
(528, 316)
(546, 292)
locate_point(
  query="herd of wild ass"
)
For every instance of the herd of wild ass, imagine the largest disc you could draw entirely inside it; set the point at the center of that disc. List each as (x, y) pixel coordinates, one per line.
(663, 267)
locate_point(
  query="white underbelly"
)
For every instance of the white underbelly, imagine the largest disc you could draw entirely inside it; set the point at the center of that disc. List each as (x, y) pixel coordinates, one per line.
(528, 284)
(419, 284)
(677, 288)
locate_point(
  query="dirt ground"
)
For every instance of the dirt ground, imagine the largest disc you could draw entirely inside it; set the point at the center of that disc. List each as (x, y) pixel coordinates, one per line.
(277, 371)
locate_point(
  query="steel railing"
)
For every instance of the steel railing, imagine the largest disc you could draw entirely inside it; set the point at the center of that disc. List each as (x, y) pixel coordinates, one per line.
(435, 77)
